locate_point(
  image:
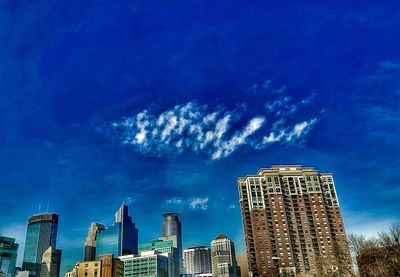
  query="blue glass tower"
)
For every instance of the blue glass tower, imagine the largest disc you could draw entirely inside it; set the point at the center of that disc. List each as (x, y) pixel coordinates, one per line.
(120, 238)
(40, 235)
(8, 256)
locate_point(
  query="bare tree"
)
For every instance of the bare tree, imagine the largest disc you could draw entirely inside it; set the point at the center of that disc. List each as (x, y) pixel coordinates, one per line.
(377, 257)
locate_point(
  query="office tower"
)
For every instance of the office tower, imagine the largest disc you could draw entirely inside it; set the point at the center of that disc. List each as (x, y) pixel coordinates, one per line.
(243, 264)
(164, 247)
(8, 256)
(223, 257)
(120, 238)
(90, 243)
(172, 230)
(51, 263)
(40, 235)
(292, 221)
(148, 263)
(197, 260)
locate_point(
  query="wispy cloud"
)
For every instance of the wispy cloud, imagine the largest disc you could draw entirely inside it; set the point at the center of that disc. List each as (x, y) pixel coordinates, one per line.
(217, 132)
(197, 203)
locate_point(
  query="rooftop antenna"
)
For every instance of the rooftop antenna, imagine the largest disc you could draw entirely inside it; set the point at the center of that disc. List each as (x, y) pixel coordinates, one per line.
(40, 206)
(47, 208)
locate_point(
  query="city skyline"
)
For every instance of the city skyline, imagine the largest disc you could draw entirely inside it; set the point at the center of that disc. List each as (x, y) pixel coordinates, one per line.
(162, 105)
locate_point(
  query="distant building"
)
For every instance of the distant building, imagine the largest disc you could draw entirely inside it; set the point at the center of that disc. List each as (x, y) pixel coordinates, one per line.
(106, 266)
(150, 263)
(51, 263)
(8, 256)
(291, 219)
(120, 238)
(197, 260)
(223, 257)
(90, 243)
(164, 247)
(242, 262)
(23, 273)
(172, 230)
(40, 235)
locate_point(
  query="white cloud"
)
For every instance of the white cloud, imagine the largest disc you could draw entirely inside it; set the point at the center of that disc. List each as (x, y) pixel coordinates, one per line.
(199, 204)
(174, 201)
(215, 132)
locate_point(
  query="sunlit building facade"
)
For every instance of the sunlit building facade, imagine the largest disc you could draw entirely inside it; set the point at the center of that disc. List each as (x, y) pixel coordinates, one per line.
(90, 242)
(291, 219)
(223, 257)
(149, 263)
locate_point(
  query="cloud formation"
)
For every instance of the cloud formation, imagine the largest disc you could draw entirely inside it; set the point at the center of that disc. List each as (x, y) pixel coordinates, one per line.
(216, 132)
(197, 203)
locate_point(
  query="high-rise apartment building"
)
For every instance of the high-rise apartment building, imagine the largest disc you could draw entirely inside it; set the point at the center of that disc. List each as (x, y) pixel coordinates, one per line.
(292, 221)
(172, 230)
(164, 247)
(148, 263)
(40, 235)
(197, 260)
(120, 238)
(8, 256)
(51, 263)
(90, 243)
(223, 257)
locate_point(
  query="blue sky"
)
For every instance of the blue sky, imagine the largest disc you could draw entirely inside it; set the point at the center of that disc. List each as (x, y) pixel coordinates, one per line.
(163, 104)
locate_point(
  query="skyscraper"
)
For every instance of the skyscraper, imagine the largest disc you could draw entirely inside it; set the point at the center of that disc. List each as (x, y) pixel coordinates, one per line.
(223, 257)
(197, 260)
(292, 221)
(51, 263)
(120, 238)
(172, 230)
(40, 235)
(8, 256)
(90, 243)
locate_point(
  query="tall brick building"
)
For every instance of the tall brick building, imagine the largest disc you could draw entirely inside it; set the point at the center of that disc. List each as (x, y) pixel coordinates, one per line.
(292, 222)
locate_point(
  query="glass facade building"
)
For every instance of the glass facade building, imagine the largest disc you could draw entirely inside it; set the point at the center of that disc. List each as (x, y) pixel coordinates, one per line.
(8, 256)
(120, 238)
(40, 235)
(164, 247)
(148, 264)
(172, 230)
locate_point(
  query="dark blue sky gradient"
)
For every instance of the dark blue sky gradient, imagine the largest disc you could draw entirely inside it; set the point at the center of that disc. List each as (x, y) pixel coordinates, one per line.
(69, 68)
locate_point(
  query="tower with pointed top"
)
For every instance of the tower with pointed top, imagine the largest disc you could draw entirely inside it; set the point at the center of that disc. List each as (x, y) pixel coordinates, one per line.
(223, 257)
(119, 239)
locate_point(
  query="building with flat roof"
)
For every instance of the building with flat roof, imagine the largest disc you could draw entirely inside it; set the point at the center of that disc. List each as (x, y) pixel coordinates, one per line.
(172, 230)
(197, 260)
(8, 256)
(41, 233)
(292, 221)
(149, 263)
(164, 247)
